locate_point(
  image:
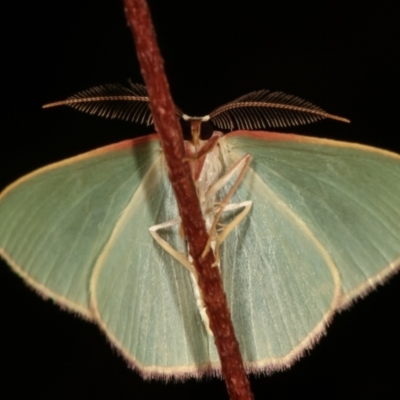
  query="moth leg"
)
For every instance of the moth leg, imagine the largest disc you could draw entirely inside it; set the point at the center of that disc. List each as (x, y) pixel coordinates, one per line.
(246, 205)
(199, 154)
(186, 262)
(240, 168)
(167, 247)
(215, 244)
(200, 304)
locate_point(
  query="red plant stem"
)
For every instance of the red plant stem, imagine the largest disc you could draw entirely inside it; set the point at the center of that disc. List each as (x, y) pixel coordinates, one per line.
(168, 128)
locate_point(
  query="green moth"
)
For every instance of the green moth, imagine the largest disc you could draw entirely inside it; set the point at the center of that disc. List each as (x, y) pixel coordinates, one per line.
(300, 226)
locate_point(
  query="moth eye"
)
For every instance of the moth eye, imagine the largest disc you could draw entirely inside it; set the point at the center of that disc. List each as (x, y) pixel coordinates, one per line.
(207, 129)
(186, 131)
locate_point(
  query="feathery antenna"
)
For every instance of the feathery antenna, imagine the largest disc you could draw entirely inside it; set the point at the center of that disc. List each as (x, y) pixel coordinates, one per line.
(254, 111)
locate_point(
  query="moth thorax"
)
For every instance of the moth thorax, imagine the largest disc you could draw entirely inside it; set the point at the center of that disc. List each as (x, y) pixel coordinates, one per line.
(214, 163)
(211, 171)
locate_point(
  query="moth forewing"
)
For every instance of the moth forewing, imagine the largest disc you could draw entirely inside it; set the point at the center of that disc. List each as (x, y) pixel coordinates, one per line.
(212, 172)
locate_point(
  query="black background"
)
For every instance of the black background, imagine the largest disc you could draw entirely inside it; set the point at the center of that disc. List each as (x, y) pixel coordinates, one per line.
(342, 57)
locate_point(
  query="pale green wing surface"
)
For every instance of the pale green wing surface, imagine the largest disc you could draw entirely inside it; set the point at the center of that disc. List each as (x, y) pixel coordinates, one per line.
(55, 221)
(273, 268)
(348, 195)
(281, 284)
(142, 297)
